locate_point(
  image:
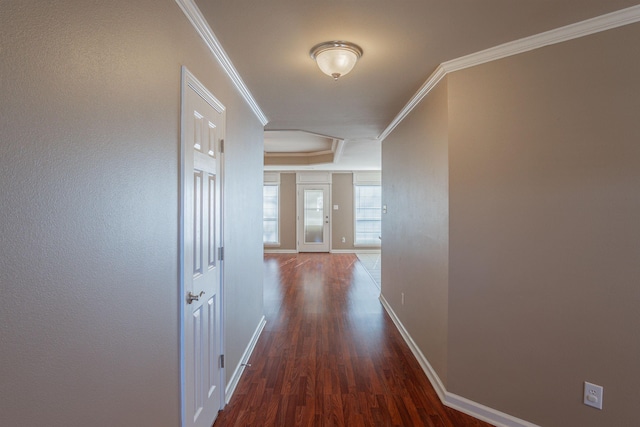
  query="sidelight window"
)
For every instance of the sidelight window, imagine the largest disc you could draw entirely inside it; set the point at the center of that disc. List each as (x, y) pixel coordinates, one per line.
(270, 214)
(368, 210)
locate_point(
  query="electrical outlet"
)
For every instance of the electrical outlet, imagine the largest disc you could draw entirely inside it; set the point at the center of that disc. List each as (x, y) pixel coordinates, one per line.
(402, 298)
(593, 395)
(344, 240)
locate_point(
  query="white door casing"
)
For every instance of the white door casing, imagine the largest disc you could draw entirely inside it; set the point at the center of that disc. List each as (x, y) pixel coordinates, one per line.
(203, 121)
(314, 223)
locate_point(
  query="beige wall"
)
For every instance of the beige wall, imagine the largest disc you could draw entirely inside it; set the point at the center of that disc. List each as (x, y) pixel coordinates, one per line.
(288, 211)
(342, 220)
(544, 242)
(89, 159)
(415, 250)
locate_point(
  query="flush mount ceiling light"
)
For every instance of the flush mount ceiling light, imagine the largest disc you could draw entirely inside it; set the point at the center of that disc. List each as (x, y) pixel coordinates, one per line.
(336, 58)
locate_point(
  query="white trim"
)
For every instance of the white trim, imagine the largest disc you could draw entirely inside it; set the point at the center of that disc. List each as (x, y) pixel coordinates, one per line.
(338, 150)
(201, 90)
(296, 154)
(469, 407)
(355, 251)
(434, 379)
(484, 413)
(431, 82)
(327, 243)
(181, 231)
(367, 178)
(313, 177)
(235, 378)
(271, 178)
(200, 24)
(331, 171)
(569, 32)
(280, 251)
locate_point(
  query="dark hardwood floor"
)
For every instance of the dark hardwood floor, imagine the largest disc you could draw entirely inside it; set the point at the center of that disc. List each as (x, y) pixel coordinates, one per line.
(330, 355)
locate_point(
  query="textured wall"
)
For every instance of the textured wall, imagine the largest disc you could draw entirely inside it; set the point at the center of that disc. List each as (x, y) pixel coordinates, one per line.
(543, 236)
(90, 110)
(545, 241)
(415, 248)
(288, 211)
(342, 219)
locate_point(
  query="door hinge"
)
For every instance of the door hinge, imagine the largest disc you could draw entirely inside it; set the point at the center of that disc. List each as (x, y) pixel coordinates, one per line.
(222, 146)
(221, 253)
(222, 360)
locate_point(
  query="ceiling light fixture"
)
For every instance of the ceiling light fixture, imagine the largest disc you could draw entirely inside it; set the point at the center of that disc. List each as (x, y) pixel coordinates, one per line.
(336, 58)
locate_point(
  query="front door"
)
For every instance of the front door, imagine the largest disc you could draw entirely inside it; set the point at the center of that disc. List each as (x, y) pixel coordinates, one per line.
(203, 133)
(313, 218)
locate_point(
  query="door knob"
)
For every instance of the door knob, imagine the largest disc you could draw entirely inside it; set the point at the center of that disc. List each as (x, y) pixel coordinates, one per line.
(191, 297)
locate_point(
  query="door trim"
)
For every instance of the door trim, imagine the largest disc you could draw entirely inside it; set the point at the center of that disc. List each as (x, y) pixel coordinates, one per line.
(188, 80)
(300, 216)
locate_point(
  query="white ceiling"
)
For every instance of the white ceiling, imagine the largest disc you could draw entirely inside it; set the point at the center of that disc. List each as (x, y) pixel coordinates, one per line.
(403, 43)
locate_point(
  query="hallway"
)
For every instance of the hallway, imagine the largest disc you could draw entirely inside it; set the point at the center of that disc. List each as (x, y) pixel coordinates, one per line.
(330, 356)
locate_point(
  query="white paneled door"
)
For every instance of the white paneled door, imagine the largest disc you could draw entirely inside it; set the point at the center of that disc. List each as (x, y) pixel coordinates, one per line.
(203, 135)
(313, 218)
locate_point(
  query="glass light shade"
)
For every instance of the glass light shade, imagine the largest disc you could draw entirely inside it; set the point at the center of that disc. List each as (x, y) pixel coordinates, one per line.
(336, 59)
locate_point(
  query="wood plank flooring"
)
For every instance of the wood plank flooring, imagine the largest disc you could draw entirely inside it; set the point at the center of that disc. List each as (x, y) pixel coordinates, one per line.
(330, 356)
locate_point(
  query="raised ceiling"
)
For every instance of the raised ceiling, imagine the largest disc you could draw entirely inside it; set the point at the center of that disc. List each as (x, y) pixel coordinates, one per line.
(293, 148)
(404, 41)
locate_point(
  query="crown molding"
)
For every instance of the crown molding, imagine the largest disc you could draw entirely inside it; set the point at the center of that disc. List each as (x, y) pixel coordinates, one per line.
(573, 31)
(338, 149)
(297, 153)
(201, 26)
(431, 82)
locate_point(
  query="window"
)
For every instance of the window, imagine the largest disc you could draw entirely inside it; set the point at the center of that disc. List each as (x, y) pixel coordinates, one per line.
(368, 211)
(270, 213)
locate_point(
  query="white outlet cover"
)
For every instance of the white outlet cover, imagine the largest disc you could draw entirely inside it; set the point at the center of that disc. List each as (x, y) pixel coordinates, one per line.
(593, 395)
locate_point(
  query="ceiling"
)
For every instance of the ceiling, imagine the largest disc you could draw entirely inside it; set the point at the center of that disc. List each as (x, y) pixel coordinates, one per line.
(403, 41)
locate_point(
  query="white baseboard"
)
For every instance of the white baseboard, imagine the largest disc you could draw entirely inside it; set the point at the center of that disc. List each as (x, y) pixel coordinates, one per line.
(469, 407)
(355, 251)
(422, 360)
(235, 378)
(484, 413)
(280, 251)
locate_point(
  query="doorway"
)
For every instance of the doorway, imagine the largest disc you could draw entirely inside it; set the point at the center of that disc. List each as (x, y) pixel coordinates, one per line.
(202, 371)
(313, 218)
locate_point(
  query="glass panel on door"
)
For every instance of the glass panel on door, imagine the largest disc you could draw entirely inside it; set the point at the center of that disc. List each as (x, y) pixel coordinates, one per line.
(313, 216)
